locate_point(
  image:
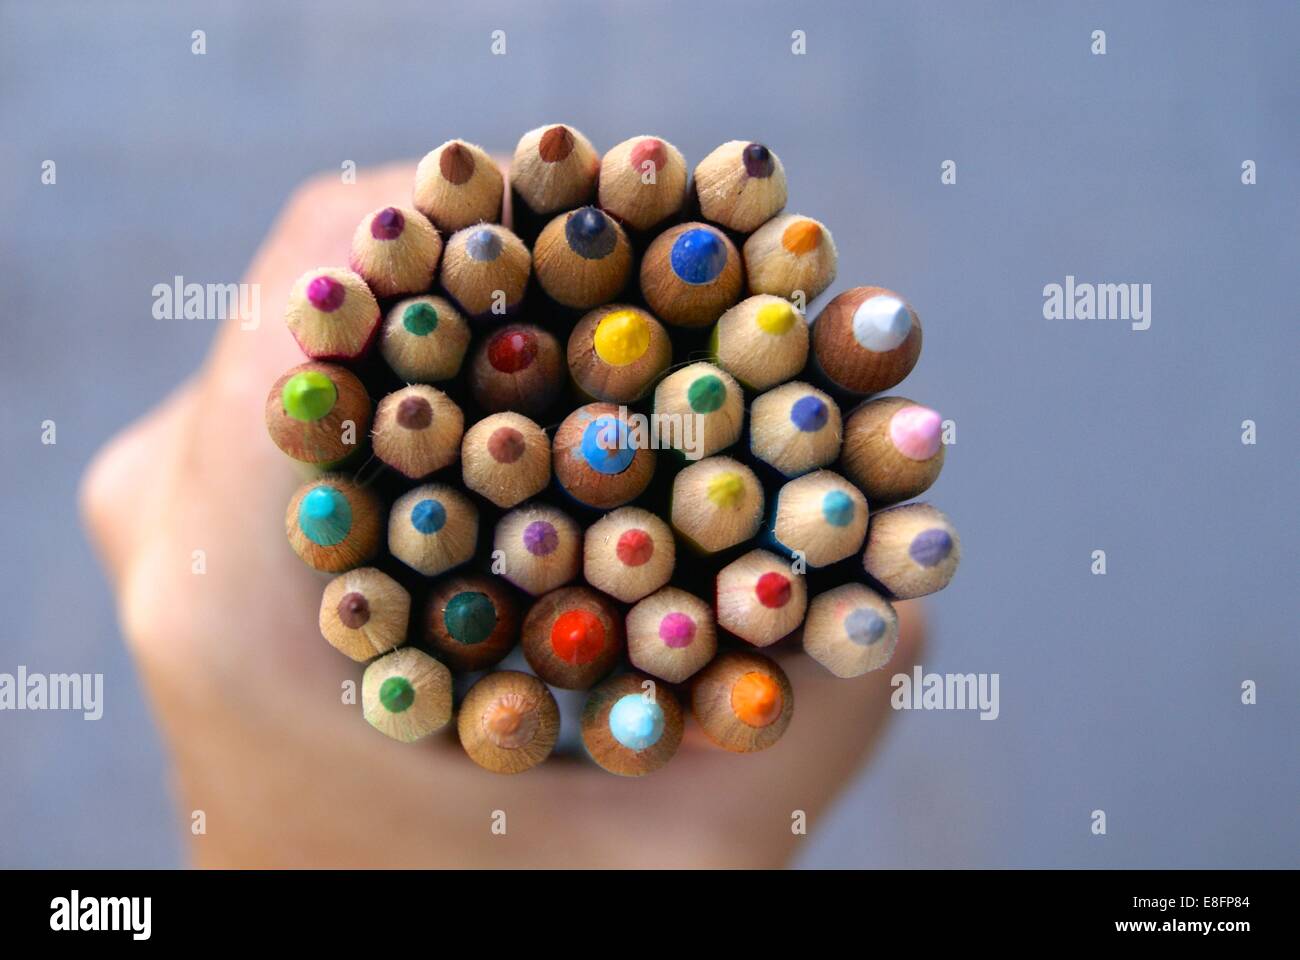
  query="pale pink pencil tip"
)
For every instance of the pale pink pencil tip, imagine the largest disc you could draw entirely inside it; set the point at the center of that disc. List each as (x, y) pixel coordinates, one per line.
(915, 432)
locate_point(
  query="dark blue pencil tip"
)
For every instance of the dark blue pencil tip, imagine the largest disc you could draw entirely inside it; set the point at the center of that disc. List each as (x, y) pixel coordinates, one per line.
(758, 160)
(590, 234)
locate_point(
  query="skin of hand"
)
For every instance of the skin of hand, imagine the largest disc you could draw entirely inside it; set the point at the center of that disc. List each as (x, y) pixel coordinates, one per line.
(249, 696)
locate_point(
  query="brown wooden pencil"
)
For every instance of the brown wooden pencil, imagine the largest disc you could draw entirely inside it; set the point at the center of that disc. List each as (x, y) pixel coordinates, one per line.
(506, 458)
(790, 255)
(851, 630)
(538, 548)
(716, 503)
(597, 458)
(760, 598)
(708, 406)
(485, 269)
(470, 621)
(912, 550)
(554, 168)
(418, 430)
(820, 517)
(616, 352)
(406, 695)
(643, 182)
(433, 528)
(519, 368)
(629, 553)
(742, 701)
(691, 274)
(396, 251)
(364, 613)
(795, 428)
(509, 722)
(631, 726)
(332, 314)
(333, 524)
(892, 449)
(457, 185)
(866, 340)
(424, 339)
(740, 185)
(583, 258)
(572, 637)
(761, 341)
(318, 413)
(671, 634)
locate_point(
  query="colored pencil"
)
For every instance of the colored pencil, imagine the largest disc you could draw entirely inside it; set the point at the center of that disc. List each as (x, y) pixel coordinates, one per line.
(517, 368)
(742, 701)
(617, 351)
(457, 185)
(851, 630)
(795, 428)
(470, 621)
(759, 598)
(707, 403)
(333, 524)
(316, 411)
(509, 722)
(630, 729)
(597, 459)
(912, 550)
(332, 314)
(396, 251)
(433, 528)
(418, 430)
(761, 341)
(716, 503)
(866, 340)
(506, 458)
(485, 269)
(583, 258)
(790, 254)
(538, 548)
(406, 694)
(643, 182)
(364, 613)
(821, 517)
(691, 274)
(671, 634)
(554, 168)
(740, 185)
(629, 553)
(424, 339)
(892, 449)
(572, 637)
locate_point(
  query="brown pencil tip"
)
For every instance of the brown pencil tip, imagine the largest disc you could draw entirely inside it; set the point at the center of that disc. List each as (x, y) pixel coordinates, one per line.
(456, 163)
(556, 144)
(414, 413)
(354, 610)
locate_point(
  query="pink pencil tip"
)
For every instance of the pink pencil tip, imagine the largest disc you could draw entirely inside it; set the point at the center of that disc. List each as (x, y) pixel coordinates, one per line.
(915, 432)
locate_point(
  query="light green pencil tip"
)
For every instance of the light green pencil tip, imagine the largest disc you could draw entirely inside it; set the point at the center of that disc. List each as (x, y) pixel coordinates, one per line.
(309, 395)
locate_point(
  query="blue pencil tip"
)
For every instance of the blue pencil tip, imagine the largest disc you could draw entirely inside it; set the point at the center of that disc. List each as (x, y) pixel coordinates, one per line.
(698, 256)
(483, 245)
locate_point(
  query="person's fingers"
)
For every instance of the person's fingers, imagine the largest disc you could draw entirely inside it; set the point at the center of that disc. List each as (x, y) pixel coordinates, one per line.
(118, 487)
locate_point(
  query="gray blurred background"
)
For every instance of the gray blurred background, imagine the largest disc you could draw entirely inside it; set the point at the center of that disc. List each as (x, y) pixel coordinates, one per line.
(1119, 692)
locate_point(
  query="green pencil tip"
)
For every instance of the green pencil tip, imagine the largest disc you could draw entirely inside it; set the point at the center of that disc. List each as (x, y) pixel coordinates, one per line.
(309, 395)
(396, 694)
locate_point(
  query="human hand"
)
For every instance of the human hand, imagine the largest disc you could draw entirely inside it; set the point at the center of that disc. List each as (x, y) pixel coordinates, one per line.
(248, 694)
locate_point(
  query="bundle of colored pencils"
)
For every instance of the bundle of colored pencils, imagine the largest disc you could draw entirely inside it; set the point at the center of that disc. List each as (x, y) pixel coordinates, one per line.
(604, 506)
